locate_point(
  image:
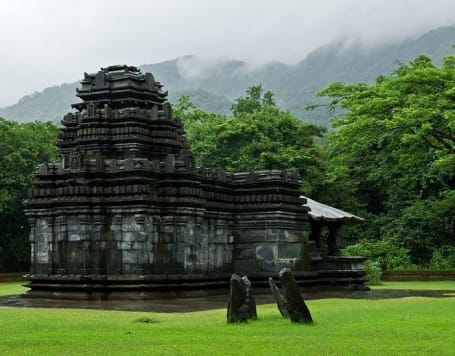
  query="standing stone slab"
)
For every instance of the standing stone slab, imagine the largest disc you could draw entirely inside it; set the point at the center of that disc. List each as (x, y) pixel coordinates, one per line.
(290, 304)
(241, 305)
(250, 301)
(296, 307)
(280, 301)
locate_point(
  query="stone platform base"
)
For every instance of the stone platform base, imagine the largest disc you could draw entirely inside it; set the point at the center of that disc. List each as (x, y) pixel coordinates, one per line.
(125, 287)
(328, 274)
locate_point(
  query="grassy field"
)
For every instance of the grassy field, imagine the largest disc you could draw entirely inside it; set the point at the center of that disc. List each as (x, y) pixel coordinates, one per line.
(11, 288)
(417, 285)
(410, 325)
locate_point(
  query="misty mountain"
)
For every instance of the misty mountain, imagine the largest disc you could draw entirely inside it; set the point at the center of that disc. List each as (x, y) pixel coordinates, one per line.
(214, 84)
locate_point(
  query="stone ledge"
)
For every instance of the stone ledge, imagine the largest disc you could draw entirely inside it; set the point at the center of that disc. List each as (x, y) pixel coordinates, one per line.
(426, 275)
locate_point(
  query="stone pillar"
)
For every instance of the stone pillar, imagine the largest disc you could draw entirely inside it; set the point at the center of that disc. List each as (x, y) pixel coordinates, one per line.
(114, 252)
(61, 234)
(42, 245)
(332, 239)
(32, 239)
(316, 235)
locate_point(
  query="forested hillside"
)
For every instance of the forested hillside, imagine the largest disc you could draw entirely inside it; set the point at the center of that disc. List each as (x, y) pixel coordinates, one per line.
(390, 159)
(212, 85)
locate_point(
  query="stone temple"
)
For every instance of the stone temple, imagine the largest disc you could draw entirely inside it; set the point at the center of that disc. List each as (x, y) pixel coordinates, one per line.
(126, 213)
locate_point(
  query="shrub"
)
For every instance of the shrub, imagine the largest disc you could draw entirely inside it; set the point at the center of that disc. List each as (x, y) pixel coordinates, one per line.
(373, 273)
(443, 258)
(383, 253)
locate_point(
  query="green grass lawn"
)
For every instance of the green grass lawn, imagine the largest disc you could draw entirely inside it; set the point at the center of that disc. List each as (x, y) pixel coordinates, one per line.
(417, 285)
(11, 288)
(411, 325)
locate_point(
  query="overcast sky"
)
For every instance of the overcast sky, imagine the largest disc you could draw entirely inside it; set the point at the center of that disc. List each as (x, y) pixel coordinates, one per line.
(49, 42)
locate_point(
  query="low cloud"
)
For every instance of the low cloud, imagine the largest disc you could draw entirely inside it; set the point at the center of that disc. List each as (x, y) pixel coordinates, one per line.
(49, 42)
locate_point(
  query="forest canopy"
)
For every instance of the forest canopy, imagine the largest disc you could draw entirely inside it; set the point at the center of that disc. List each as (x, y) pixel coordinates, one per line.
(22, 148)
(258, 135)
(391, 157)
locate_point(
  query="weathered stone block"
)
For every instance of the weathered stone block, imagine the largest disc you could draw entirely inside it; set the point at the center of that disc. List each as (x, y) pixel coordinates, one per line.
(241, 305)
(295, 305)
(289, 250)
(266, 252)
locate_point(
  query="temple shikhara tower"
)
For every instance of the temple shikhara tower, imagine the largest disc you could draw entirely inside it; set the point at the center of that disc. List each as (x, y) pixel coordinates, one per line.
(126, 213)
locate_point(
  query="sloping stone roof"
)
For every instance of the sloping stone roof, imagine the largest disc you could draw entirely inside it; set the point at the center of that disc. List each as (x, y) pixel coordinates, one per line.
(322, 212)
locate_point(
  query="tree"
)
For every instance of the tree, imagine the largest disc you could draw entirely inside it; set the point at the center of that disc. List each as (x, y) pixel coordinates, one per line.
(392, 154)
(258, 135)
(200, 127)
(254, 100)
(22, 148)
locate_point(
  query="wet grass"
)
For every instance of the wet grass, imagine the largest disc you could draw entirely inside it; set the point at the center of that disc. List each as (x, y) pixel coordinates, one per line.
(12, 288)
(394, 326)
(420, 285)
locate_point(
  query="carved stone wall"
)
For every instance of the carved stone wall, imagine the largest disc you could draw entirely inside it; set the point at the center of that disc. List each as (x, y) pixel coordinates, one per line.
(126, 203)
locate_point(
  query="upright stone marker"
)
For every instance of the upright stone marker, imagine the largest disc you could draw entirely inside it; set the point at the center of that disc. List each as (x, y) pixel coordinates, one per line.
(241, 305)
(296, 307)
(280, 300)
(290, 304)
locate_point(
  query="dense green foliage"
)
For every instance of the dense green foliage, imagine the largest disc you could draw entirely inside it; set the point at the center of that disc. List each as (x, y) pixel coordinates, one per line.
(200, 127)
(389, 159)
(392, 156)
(22, 147)
(258, 135)
(386, 326)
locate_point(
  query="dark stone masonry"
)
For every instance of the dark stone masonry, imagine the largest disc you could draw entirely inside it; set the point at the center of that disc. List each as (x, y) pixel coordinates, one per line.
(126, 213)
